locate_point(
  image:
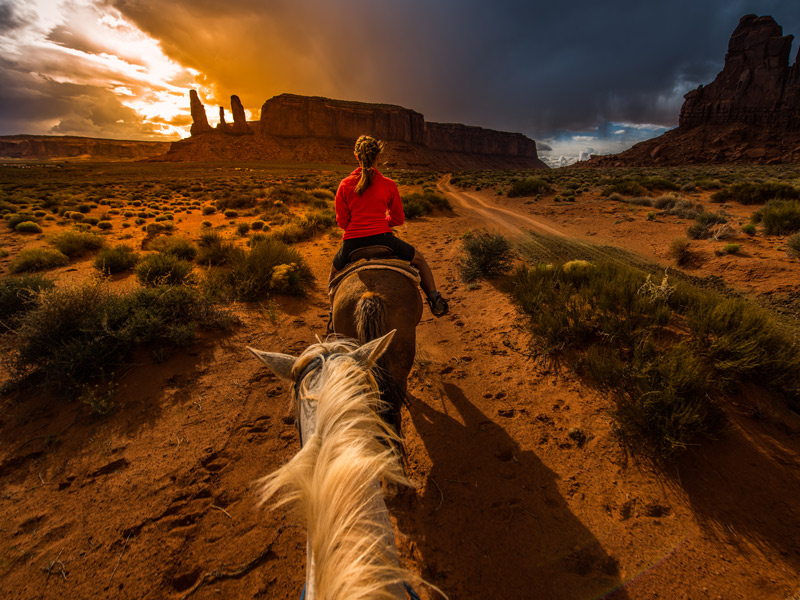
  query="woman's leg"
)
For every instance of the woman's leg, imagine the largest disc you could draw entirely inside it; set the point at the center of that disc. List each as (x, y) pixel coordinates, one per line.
(427, 282)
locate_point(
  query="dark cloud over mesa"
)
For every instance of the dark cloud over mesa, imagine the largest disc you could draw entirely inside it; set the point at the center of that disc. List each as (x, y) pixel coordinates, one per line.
(546, 70)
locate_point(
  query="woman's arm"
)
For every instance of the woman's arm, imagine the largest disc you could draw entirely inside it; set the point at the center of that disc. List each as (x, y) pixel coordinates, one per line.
(342, 210)
(396, 217)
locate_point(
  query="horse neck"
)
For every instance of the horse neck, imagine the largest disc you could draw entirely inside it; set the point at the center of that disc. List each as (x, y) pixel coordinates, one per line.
(334, 480)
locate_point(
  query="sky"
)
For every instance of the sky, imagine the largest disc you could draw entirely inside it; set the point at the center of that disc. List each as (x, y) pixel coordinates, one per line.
(582, 77)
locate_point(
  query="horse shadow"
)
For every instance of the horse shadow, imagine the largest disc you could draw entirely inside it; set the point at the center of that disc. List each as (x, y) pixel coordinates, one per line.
(491, 521)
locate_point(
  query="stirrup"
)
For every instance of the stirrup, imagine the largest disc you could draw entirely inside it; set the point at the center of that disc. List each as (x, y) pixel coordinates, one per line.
(438, 305)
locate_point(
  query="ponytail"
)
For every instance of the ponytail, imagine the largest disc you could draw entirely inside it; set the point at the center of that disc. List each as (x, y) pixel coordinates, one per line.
(367, 151)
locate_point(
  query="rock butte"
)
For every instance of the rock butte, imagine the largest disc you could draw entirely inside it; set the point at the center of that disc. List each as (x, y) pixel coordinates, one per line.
(749, 113)
(314, 129)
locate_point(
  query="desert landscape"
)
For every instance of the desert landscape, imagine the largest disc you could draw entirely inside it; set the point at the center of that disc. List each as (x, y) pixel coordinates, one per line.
(610, 408)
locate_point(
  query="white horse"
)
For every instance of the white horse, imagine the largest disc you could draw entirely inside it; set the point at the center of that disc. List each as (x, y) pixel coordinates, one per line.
(334, 480)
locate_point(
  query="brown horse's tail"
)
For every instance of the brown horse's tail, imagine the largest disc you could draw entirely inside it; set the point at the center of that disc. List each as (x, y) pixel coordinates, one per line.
(370, 317)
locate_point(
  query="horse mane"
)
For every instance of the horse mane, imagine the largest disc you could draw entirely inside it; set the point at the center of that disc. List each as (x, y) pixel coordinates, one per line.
(332, 481)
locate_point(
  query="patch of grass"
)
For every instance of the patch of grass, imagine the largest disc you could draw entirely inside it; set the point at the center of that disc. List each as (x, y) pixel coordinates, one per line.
(175, 246)
(115, 260)
(28, 227)
(731, 248)
(163, 269)
(779, 217)
(421, 204)
(74, 242)
(16, 218)
(19, 295)
(214, 249)
(486, 255)
(306, 227)
(529, 186)
(756, 193)
(749, 229)
(37, 259)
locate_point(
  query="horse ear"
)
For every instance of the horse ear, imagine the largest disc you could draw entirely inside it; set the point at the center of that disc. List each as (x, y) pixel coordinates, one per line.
(280, 364)
(369, 353)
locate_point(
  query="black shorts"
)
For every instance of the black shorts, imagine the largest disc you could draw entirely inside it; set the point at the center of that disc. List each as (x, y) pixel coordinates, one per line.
(403, 250)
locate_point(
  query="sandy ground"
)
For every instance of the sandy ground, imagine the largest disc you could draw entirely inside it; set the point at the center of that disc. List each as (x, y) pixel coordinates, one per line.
(520, 490)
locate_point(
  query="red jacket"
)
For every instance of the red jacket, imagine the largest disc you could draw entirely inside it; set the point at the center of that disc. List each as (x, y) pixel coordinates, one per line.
(375, 211)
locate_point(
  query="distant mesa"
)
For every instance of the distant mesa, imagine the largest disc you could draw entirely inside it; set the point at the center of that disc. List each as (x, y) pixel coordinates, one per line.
(749, 113)
(74, 148)
(314, 129)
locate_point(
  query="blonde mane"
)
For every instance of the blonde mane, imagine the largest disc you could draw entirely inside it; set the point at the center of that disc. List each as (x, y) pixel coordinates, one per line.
(332, 482)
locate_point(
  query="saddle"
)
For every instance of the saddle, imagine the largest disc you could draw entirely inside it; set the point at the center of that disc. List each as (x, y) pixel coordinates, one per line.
(373, 257)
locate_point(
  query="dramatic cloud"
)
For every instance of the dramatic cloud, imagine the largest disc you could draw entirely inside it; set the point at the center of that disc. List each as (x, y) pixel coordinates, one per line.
(614, 71)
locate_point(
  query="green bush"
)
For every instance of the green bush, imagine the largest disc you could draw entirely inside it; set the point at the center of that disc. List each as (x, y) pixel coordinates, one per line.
(269, 266)
(701, 229)
(214, 250)
(209, 210)
(19, 295)
(420, 204)
(79, 333)
(487, 255)
(243, 229)
(176, 246)
(163, 269)
(749, 229)
(37, 259)
(115, 260)
(305, 227)
(74, 242)
(257, 225)
(731, 248)
(28, 227)
(231, 213)
(530, 186)
(756, 193)
(104, 225)
(625, 187)
(779, 217)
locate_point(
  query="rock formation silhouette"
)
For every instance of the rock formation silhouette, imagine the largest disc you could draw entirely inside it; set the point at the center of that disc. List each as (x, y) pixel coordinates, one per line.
(199, 119)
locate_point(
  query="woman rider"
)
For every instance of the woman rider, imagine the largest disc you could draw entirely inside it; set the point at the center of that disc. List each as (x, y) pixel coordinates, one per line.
(368, 205)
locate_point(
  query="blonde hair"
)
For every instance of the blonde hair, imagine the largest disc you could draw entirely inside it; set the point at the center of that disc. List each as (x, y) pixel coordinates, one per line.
(367, 151)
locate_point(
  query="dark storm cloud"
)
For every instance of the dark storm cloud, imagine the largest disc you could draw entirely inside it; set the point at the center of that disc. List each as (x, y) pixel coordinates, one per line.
(526, 66)
(9, 18)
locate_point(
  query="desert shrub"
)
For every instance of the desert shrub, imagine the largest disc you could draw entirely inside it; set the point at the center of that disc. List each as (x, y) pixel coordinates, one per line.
(175, 246)
(75, 242)
(104, 225)
(243, 229)
(91, 221)
(625, 187)
(305, 227)
(257, 225)
(322, 194)
(206, 224)
(37, 259)
(658, 184)
(793, 243)
(701, 229)
(756, 193)
(419, 204)
(17, 218)
(152, 229)
(209, 210)
(662, 402)
(269, 266)
(115, 260)
(18, 295)
(749, 229)
(28, 227)
(779, 217)
(163, 269)
(214, 249)
(530, 186)
(230, 213)
(84, 208)
(79, 333)
(486, 255)
(731, 248)
(679, 250)
(76, 216)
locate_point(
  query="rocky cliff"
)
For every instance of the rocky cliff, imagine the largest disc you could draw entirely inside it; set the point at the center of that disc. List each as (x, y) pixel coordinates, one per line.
(51, 147)
(749, 113)
(314, 129)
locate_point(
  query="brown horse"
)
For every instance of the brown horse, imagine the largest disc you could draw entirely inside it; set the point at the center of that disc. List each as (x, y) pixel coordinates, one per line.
(370, 298)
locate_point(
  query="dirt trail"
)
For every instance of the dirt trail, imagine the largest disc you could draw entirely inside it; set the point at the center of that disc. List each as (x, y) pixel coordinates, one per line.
(520, 488)
(510, 220)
